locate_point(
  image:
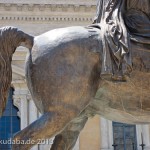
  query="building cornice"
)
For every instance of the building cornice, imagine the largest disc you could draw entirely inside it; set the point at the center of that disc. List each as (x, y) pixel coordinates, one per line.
(46, 19)
(80, 2)
(50, 12)
(49, 7)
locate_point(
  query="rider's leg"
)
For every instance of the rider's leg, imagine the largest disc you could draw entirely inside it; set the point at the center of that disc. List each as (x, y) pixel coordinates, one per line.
(67, 139)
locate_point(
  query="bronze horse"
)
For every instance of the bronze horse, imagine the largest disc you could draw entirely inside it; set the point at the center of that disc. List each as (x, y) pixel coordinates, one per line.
(63, 76)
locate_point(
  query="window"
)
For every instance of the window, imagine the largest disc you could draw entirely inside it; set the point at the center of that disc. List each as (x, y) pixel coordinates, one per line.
(124, 136)
(9, 123)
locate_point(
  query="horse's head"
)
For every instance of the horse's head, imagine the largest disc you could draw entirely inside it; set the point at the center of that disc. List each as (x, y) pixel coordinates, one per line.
(10, 39)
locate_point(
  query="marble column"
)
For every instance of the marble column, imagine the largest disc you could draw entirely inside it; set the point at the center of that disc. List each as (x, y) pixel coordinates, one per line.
(24, 112)
(138, 136)
(106, 134)
(144, 129)
(33, 115)
(146, 138)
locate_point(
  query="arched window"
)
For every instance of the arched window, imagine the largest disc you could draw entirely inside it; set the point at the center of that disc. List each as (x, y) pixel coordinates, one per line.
(9, 123)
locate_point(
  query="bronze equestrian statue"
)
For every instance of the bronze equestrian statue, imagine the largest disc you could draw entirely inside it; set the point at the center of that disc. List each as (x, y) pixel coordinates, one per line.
(63, 69)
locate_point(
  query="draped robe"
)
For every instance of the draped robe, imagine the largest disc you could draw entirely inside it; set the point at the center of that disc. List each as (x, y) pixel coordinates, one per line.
(120, 21)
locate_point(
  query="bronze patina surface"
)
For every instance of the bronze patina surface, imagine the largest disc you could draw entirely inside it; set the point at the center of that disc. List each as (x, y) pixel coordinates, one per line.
(63, 69)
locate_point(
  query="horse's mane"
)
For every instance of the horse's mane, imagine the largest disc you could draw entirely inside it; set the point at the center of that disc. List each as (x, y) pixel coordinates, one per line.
(5, 79)
(7, 47)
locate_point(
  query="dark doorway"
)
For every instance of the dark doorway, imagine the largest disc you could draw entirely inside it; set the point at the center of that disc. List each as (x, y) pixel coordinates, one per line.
(124, 136)
(9, 123)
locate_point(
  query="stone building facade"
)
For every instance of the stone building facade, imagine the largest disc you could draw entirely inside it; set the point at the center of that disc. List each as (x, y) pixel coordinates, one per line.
(36, 17)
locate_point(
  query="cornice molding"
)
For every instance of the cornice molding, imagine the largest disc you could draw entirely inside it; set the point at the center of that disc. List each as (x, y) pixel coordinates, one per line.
(46, 19)
(64, 9)
(81, 2)
(49, 7)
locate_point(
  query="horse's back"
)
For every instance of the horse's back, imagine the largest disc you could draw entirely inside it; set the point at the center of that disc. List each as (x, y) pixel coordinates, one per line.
(65, 35)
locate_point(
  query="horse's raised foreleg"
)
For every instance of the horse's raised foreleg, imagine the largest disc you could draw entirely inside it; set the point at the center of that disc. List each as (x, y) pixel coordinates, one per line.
(47, 126)
(68, 137)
